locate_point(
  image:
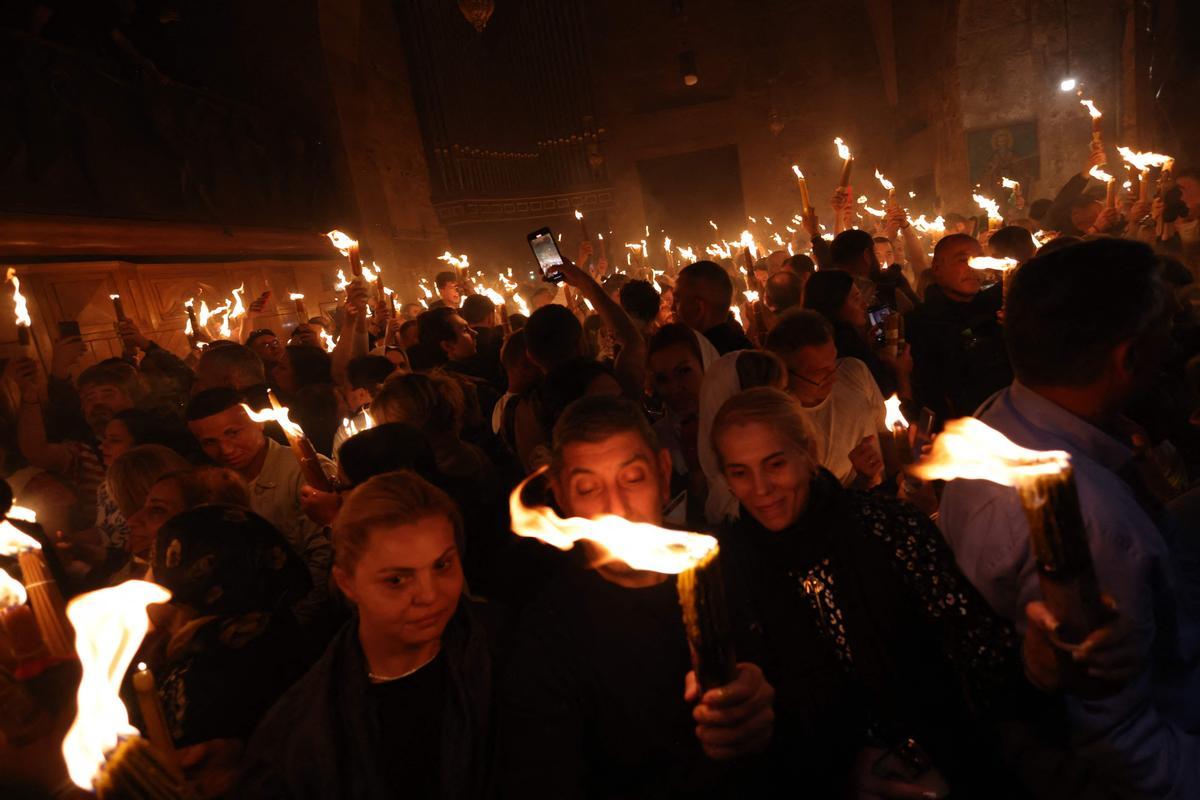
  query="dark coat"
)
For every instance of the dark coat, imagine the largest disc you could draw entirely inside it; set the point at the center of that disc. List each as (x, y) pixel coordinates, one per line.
(320, 739)
(958, 352)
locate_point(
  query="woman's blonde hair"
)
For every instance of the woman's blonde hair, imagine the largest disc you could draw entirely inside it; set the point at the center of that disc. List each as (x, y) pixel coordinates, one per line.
(767, 406)
(132, 473)
(202, 485)
(388, 499)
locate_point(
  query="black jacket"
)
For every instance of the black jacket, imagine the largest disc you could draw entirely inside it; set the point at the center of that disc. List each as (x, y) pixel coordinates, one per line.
(320, 741)
(958, 352)
(869, 634)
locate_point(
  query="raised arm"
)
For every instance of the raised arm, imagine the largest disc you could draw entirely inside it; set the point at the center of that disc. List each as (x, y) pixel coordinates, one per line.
(31, 427)
(630, 364)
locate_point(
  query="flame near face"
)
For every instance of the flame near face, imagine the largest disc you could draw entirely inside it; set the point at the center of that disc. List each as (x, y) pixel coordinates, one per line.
(642, 546)
(279, 415)
(968, 448)
(109, 627)
(988, 262)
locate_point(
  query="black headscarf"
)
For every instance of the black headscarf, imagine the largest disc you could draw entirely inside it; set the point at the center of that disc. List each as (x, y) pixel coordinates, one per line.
(223, 560)
(242, 647)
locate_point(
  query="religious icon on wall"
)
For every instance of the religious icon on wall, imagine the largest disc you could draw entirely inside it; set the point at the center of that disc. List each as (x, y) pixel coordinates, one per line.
(1003, 151)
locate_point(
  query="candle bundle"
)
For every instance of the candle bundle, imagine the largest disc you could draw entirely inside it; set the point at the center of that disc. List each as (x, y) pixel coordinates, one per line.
(1045, 485)
(42, 592)
(706, 621)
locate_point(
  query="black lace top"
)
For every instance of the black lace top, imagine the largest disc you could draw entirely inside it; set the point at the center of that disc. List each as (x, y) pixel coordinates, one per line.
(870, 635)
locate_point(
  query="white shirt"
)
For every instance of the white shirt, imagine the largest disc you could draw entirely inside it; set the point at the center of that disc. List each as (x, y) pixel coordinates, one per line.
(851, 412)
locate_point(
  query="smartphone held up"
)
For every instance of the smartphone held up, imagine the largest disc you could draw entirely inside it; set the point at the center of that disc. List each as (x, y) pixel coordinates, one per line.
(545, 250)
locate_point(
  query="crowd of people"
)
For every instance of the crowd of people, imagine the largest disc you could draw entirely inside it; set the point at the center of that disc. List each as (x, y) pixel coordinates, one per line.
(392, 637)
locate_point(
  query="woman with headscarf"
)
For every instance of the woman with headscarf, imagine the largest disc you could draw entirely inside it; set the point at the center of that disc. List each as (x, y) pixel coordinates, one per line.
(834, 294)
(400, 705)
(728, 375)
(676, 359)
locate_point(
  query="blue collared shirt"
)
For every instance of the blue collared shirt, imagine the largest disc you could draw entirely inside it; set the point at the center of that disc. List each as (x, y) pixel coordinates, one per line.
(1139, 734)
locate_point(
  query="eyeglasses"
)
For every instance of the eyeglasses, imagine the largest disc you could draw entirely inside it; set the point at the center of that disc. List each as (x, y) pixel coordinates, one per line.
(824, 377)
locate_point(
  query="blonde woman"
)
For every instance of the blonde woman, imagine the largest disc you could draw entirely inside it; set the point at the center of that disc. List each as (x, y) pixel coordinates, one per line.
(888, 665)
(400, 704)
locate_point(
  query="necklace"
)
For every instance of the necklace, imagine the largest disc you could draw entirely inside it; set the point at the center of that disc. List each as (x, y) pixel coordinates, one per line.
(389, 678)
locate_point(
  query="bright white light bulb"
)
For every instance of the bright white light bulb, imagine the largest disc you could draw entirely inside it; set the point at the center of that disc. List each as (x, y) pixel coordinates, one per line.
(1068, 85)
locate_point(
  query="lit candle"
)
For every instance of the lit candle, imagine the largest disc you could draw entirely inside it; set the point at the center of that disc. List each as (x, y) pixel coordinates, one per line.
(1097, 142)
(152, 714)
(1045, 486)
(1110, 183)
(300, 310)
(805, 202)
(891, 188)
(20, 308)
(583, 231)
(347, 247)
(847, 162)
(302, 448)
(117, 306)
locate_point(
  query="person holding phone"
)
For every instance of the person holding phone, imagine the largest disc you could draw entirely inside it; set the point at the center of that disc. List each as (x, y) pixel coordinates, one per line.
(835, 295)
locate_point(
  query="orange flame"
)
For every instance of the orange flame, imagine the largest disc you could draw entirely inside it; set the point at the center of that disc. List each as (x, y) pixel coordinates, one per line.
(1009, 183)
(109, 627)
(578, 215)
(279, 415)
(521, 304)
(297, 295)
(843, 150)
(21, 308)
(238, 308)
(989, 205)
(884, 181)
(327, 341)
(12, 592)
(1093, 112)
(353, 429)
(12, 539)
(968, 448)
(462, 262)
(342, 242)
(894, 415)
(687, 253)
(1100, 174)
(874, 212)
(798, 173)
(1142, 161)
(987, 262)
(640, 545)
